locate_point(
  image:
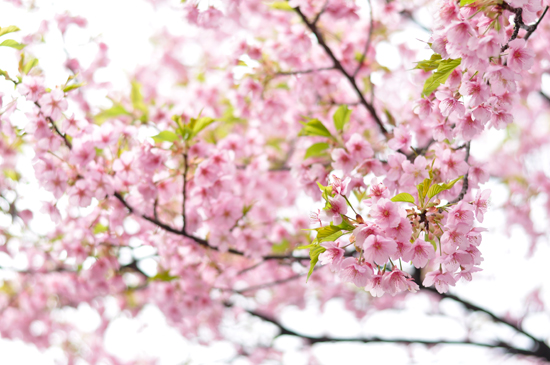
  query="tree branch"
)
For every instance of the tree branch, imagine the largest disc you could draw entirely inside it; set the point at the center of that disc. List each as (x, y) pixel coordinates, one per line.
(541, 349)
(464, 179)
(313, 340)
(339, 67)
(301, 72)
(367, 46)
(519, 24)
(184, 191)
(200, 241)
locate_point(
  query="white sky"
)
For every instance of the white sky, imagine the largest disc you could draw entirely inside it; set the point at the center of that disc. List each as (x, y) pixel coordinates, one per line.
(500, 287)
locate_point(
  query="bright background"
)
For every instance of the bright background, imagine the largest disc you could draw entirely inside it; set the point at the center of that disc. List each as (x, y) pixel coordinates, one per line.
(506, 280)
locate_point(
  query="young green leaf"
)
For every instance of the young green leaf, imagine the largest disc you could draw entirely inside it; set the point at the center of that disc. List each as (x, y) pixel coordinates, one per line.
(73, 86)
(201, 123)
(100, 228)
(466, 2)
(314, 127)
(8, 29)
(137, 97)
(443, 72)
(403, 197)
(13, 44)
(115, 111)
(341, 117)
(314, 254)
(29, 65)
(429, 65)
(316, 150)
(166, 136)
(438, 188)
(281, 5)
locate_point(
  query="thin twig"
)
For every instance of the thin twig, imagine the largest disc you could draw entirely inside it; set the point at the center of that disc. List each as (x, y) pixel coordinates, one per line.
(300, 72)
(184, 190)
(339, 67)
(200, 241)
(519, 24)
(367, 46)
(464, 179)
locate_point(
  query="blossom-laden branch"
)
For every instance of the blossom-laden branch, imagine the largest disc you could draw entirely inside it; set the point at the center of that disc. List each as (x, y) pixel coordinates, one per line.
(519, 23)
(338, 65)
(200, 241)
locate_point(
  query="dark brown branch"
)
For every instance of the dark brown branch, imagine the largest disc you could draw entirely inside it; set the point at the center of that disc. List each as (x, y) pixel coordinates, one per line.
(200, 241)
(519, 24)
(339, 67)
(541, 349)
(464, 179)
(318, 16)
(67, 142)
(313, 340)
(367, 46)
(546, 97)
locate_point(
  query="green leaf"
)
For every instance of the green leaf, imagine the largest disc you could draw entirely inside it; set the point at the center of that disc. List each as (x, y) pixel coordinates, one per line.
(438, 188)
(314, 127)
(314, 254)
(316, 150)
(346, 226)
(166, 136)
(137, 97)
(326, 231)
(5, 74)
(73, 86)
(29, 65)
(281, 247)
(403, 197)
(423, 190)
(466, 2)
(429, 65)
(8, 29)
(452, 182)
(100, 228)
(440, 76)
(115, 111)
(13, 44)
(163, 276)
(341, 117)
(311, 245)
(326, 191)
(280, 5)
(12, 174)
(200, 124)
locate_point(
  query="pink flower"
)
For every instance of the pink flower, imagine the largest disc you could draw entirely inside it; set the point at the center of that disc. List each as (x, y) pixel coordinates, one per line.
(358, 148)
(520, 57)
(402, 232)
(397, 281)
(449, 104)
(375, 286)
(365, 230)
(420, 253)
(452, 164)
(386, 213)
(469, 127)
(342, 160)
(333, 255)
(340, 187)
(395, 162)
(353, 271)
(338, 206)
(80, 194)
(461, 213)
(32, 88)
(441, 280)
(53, 104)
(481, 203)
(378, 249)
(477, 90)
(414, 174)
(401, 139)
